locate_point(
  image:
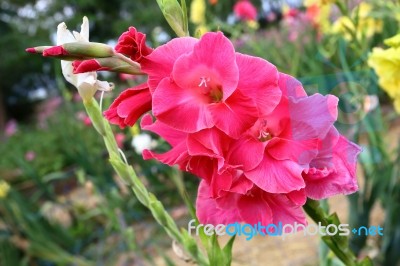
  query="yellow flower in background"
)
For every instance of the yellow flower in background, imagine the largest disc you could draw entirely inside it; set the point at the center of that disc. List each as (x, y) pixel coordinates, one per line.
(200, 30)
(135, 130)
(252, 24)
(308, 3)
(198, 16)
(393, 41)
(366, 26)
(386, 63)
(4, 189)
(198, 12)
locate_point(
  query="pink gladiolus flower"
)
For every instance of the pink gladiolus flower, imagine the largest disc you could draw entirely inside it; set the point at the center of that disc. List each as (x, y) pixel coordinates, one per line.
(292, 134)
(333, 171)
(259, 143)
(129, 106)
(199, 84)
(133, 44)
(245, 10)
(255, 206)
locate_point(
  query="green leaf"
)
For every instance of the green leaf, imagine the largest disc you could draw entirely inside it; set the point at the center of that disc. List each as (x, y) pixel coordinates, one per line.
(174, 15)
(227, 250)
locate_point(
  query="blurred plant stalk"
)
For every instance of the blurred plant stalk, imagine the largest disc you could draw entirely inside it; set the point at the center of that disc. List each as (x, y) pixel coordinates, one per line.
(149, 200)
(379, 164)
(338, 244)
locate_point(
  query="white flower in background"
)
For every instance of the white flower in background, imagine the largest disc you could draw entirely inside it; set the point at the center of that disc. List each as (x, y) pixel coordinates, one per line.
(56, 213)
(142, 142)
(86, 83)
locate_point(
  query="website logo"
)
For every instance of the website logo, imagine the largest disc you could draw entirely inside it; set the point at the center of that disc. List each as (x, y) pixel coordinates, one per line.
(249, 230)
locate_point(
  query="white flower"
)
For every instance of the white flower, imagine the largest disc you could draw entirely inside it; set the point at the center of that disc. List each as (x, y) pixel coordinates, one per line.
(86, 83)
(142, 142)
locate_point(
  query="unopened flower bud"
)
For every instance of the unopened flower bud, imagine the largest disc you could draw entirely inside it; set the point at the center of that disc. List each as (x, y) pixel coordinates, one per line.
(37, 49)
(80, 50)
(112, 64)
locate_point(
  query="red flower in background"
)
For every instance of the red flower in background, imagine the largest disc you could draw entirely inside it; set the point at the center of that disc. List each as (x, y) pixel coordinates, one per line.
(133, 44)
(245, 10)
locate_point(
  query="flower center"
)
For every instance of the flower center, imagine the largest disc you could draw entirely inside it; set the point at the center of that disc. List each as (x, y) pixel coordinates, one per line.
(211, 89)
(263, 132)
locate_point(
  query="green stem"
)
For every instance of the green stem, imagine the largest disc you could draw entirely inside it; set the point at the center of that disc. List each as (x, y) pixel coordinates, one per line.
(338, 244)
(127, 173)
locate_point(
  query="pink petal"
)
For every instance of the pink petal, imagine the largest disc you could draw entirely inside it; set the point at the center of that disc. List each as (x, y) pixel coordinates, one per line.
(172, 136)
(341, 179)
(159, 64)
(275, 176)
(258, 79)
(246, 152)
(303, 118)
(298, 197)
(254, 209)
(317, 111)
(284, 210)
(201, 166)
(179, 108)
(176, 155)
(220, 182)
(241, 184)
(129, 106)
(301, 152)
(291, 87)
(327, 146)
(209, 142)
(206, 168)
(208, 212)
(234, 116)
(213, 58)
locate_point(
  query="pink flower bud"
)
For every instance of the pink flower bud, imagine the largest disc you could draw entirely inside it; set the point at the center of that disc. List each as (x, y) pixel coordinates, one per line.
(37, 49)
(112, 64)
(133, 44)
(79, 50)
(87, 66)
(55, 51)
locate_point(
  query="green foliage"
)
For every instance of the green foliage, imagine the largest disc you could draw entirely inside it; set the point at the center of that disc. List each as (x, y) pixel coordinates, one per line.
(71, 171)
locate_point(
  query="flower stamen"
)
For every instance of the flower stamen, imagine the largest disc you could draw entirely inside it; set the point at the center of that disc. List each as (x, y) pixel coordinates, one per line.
(203, 81)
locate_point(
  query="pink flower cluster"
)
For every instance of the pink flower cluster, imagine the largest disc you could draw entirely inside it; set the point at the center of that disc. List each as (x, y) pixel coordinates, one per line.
(258, 142)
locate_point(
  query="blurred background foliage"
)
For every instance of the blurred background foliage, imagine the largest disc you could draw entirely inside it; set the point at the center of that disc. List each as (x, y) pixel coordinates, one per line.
(61, 203)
